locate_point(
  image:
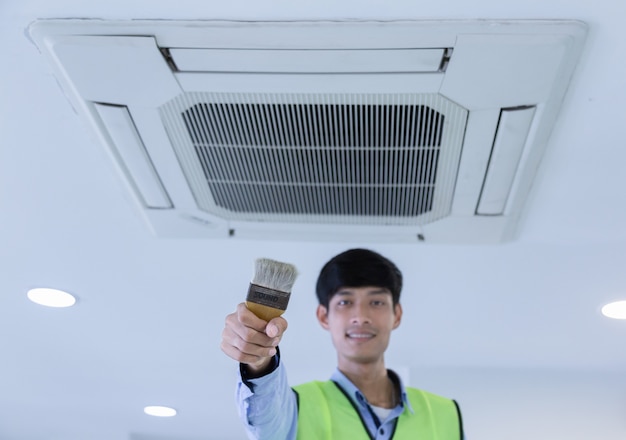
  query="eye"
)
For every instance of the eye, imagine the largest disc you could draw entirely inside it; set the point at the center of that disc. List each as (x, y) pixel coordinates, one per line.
(378, 303)
(344, 302)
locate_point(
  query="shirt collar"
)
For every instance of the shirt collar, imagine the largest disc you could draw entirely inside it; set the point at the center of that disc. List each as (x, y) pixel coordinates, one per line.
(358, 398)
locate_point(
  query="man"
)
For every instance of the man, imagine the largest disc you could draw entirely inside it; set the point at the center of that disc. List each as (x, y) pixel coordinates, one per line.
(358, 292)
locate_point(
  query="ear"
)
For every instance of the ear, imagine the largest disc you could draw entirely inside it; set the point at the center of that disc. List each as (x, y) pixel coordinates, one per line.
(397, 312)
(322, 316)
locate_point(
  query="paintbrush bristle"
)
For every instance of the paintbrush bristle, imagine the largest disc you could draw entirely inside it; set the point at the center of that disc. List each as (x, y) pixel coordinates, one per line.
(274, 275)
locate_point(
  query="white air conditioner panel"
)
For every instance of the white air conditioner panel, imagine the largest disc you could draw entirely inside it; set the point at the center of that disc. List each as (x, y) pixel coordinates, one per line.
(465, 71)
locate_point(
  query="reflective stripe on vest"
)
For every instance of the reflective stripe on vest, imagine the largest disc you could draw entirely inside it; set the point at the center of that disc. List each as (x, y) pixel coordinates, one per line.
(325, 413)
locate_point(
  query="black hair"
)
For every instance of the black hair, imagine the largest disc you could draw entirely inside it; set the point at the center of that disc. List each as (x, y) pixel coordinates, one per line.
(358, 268)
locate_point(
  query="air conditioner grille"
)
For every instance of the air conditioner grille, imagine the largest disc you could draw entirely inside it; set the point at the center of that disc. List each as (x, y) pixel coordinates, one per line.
(375, 159)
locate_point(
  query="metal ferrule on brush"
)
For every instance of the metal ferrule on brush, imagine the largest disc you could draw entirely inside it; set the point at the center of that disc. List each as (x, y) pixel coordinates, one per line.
(268, 297)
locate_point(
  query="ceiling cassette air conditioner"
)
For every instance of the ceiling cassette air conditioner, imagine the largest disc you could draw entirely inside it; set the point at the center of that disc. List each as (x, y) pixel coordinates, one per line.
(398, 131)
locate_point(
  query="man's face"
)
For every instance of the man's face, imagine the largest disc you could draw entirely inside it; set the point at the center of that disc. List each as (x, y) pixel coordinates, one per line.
(360, 320)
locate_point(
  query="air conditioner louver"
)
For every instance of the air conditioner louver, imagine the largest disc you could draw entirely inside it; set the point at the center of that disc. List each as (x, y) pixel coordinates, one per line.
(321, 130)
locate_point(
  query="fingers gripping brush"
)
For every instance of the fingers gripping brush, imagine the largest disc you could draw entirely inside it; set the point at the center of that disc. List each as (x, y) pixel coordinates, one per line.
(270, 288)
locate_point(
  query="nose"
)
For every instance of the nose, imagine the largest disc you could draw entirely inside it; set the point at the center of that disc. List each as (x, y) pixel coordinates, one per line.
(360, 313)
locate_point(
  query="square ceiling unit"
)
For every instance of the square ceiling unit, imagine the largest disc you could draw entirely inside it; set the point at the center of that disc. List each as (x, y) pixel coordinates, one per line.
(396, 131)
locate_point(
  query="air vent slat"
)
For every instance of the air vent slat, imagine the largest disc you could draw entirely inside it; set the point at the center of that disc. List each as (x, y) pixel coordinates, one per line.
(429, 173)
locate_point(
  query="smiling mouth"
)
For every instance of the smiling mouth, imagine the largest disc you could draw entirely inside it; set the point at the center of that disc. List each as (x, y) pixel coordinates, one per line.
(360, 335)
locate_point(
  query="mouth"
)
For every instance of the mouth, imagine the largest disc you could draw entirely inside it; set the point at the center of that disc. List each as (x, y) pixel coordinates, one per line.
(360, 336)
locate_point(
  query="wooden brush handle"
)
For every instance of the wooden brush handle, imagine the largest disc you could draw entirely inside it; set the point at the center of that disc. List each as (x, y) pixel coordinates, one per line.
(264, 312)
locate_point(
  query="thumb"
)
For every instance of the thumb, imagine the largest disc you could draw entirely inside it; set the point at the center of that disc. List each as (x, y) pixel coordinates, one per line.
(276, 327)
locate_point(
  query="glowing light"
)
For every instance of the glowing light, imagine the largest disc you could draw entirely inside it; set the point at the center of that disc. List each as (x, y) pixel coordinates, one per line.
(159, 411)
(51, 297)
(615, 310)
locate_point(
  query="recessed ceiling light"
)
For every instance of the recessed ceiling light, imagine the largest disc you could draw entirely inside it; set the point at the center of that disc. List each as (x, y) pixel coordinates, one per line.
(51, 297)
(615, 310)
(159, 411)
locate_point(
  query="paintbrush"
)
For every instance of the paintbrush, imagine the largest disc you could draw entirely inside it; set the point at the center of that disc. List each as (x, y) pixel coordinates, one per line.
(270, 288)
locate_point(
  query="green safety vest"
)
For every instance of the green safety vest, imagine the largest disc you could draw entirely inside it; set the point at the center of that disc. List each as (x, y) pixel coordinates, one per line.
(326, 413)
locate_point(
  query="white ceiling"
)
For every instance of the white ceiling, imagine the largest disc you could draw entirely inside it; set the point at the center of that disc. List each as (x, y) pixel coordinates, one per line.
(512, 331)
